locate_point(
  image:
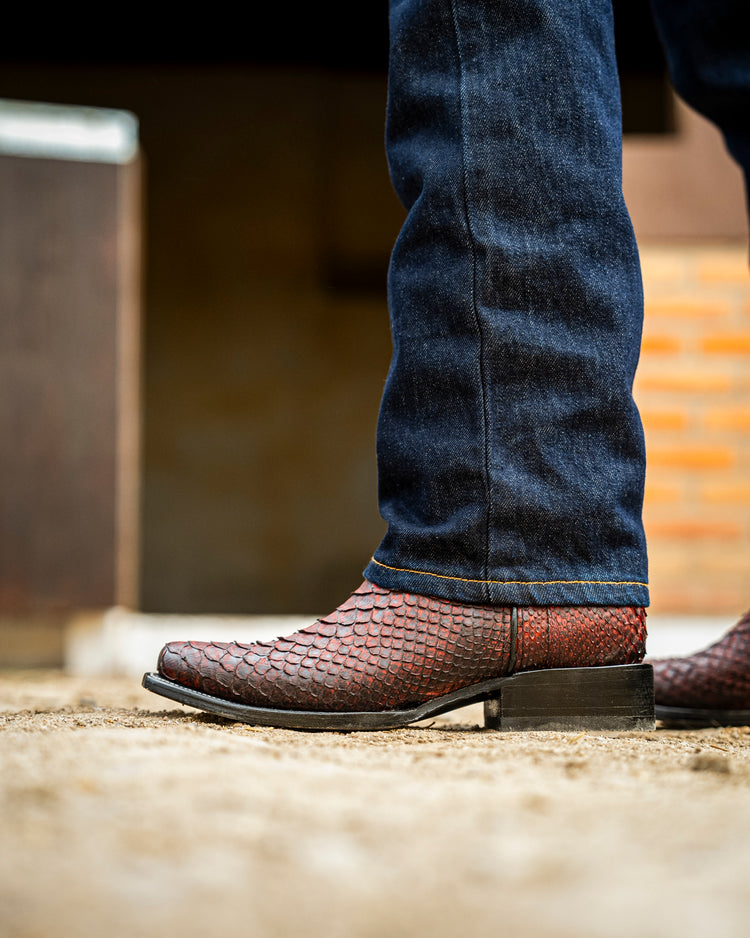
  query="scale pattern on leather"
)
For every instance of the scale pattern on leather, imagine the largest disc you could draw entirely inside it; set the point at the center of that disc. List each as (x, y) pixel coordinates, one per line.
(716, 678)
(387, 650)
(579, 636)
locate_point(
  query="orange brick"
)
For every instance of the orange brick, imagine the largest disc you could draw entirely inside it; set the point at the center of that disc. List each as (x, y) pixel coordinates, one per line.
(658, 266)
(737, 493)
(665, 558)
(683, 380)
(667, 599)
(703, 598)
(654, 420)
(658, 494)
(728, 418)
(688, 307)
(691, 457)
(735, 343)
(661, 344)
(689, 530)
(732, 564)
(725, 267)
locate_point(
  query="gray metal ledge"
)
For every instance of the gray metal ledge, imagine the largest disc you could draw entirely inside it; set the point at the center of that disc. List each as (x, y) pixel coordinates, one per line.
(61, 132)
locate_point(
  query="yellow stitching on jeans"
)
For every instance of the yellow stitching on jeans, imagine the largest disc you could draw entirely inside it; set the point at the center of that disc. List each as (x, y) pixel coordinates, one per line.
(463, 579)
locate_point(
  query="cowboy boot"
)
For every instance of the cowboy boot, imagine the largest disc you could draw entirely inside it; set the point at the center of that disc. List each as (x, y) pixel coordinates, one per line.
(385, 659)
(709, 688)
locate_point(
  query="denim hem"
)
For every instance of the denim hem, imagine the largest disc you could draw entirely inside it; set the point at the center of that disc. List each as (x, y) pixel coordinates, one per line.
(516, 592)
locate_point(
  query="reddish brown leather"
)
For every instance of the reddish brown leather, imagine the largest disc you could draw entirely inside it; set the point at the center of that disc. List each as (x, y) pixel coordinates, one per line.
(579, 636)
(717, 678)
(386, 650)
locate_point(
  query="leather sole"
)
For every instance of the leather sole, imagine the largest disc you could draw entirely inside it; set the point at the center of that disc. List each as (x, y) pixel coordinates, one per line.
(692, 718)
(619, 697)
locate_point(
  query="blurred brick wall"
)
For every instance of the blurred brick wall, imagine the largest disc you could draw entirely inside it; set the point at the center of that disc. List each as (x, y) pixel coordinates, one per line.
(693, 388)
(265, 357)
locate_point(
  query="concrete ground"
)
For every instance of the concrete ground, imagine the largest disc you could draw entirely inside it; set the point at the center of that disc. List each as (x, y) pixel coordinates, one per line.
(123, 816)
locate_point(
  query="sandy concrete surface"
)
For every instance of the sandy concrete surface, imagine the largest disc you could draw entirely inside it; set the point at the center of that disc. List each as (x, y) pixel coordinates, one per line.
(121, 816)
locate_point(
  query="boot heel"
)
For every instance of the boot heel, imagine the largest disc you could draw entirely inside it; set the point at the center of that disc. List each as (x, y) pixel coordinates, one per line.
(607, 698)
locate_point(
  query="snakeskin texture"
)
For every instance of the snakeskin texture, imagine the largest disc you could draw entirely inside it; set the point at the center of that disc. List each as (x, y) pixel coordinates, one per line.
(579, 636)
(387, 650)
(717, 678)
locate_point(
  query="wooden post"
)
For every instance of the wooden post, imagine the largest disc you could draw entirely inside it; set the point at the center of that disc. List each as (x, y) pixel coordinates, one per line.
(69, 360)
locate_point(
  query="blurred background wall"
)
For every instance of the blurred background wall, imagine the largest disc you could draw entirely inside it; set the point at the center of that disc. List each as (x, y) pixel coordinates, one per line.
(267, 220)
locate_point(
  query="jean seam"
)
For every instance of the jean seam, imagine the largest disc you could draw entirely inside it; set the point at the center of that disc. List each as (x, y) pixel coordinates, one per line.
(477, 319)
(463, 579)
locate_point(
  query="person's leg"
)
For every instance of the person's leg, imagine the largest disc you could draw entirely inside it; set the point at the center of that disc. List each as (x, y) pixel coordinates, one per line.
(510, 451)
(708, 51)
(511, 457)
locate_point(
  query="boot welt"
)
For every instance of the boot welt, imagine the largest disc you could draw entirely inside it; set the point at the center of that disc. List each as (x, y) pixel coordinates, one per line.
(614, 697)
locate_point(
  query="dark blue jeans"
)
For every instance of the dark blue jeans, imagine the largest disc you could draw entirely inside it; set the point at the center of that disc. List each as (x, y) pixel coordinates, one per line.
(510, 452)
